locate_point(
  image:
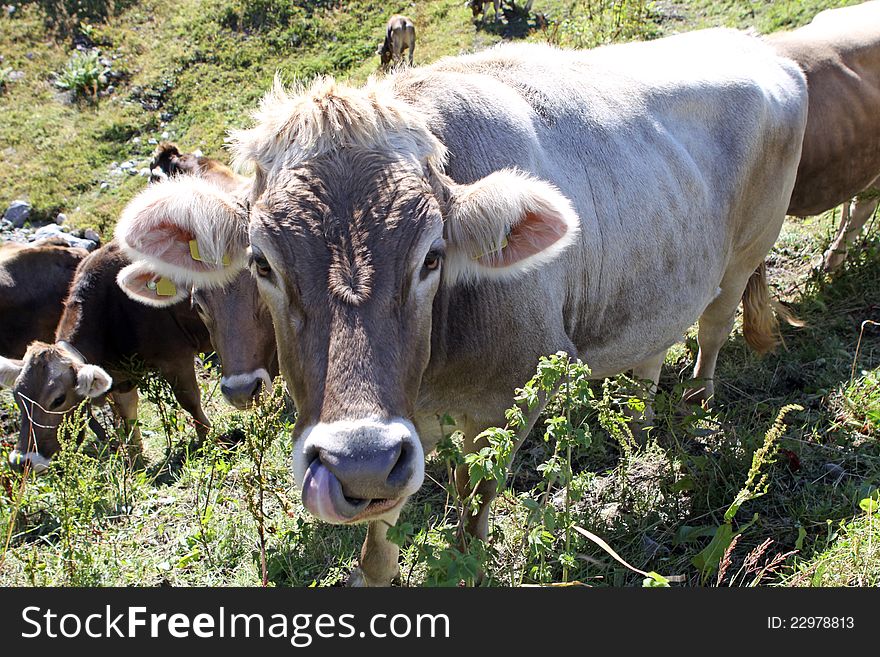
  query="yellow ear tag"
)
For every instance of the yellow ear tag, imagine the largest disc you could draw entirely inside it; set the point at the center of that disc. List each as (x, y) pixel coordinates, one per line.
(194, 253)
(165, 288)
(498, 250)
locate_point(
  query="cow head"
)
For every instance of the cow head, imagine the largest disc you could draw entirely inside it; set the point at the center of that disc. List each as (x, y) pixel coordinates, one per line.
(48, 385)
(351, 232)
(237, 319)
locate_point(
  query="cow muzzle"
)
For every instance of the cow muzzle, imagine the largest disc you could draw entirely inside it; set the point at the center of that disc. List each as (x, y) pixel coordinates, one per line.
(33, 460)
(358, 470)
(244, 390)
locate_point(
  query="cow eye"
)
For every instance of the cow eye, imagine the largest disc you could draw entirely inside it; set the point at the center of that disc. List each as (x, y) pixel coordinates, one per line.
(434, 257)
(258, 261)
(57, 402)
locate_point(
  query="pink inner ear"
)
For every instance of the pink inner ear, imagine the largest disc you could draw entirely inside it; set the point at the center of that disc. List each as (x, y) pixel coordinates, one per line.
(535, 233)
(168, 242)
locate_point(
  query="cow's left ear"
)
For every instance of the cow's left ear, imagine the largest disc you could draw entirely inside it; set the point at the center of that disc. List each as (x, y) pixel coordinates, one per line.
(505, 224)
(145, 286)
(9, 371)
(92, 381)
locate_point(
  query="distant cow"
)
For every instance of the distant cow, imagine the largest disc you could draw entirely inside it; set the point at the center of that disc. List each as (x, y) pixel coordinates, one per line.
(479, 7)
(168, 162)
(34, 279)
(418, 260)
(101, 330)
(400, 35)
(839, 52)
(237, 318)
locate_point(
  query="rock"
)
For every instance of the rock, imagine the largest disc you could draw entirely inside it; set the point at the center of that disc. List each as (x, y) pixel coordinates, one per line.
(92, 235)
(135, 140)
(104, 185)
(15, 76)
(53, 230)
(152, 142)
(166, 135)
(60, 218)
(17, 213)
(144, 172)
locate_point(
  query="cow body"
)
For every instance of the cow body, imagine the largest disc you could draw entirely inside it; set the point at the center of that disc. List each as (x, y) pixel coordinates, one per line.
(463, 219)
(100, 332)
(34, 280)
(400, 35)
(839, 51)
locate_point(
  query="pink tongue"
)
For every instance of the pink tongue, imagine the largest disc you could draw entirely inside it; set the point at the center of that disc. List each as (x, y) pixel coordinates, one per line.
(319, 489)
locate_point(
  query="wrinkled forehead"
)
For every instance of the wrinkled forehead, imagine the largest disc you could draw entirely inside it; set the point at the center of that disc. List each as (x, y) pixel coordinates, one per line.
(346, 200)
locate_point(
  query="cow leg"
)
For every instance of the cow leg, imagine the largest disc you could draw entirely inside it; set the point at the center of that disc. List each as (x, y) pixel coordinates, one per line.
(379, 557)
(412, 50)
(852, 220)
(715, 326)
(647, 371)
(497, 4)
(187, 394)
(126, 404)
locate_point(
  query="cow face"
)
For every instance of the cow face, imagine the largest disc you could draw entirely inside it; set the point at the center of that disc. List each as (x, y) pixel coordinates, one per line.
(350, 248)
(48, 385)
(237, 320)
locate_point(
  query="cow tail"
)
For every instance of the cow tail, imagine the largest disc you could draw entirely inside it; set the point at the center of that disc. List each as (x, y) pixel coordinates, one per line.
(760, 312)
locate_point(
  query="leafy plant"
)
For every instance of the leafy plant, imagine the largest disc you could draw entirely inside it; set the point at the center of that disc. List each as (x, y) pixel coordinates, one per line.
(83, 75)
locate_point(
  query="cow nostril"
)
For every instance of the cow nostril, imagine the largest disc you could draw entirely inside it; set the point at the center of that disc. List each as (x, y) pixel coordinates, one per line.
(255, 391)
(402, 469)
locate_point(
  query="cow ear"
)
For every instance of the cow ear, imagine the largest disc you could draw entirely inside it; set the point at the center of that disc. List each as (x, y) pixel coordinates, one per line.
(92, 381)
(145, 286)
(505, 224)
(187, 230)
(9, 371)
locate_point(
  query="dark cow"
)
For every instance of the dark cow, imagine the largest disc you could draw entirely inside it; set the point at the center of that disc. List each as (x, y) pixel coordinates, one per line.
(839, 51)
(237, 319)
(34, 279)
(101, 330)
(400, 35)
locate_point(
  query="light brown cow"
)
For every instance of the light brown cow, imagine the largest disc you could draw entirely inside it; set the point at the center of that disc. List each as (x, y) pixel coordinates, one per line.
(400, 35)
(839, 51)
(418, 260)
(237, 319)
(34, 279)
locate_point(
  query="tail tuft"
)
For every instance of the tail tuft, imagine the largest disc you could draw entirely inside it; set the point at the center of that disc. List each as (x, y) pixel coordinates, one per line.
(760, 323)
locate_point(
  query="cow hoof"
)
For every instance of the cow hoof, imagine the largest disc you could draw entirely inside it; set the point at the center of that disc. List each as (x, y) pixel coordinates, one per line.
(356, 579)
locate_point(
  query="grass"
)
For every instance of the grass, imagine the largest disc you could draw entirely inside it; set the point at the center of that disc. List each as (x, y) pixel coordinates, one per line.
(227, 514)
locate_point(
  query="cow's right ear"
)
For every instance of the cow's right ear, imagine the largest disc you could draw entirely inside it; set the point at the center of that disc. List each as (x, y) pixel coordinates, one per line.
(187, 230)
(9, 371)
(145, 286)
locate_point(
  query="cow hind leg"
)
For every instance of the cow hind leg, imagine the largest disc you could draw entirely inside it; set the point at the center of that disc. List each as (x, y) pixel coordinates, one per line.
(853, 219)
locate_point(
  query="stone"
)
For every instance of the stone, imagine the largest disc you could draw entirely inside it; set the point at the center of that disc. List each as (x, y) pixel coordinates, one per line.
(17, 213)
(60, 218)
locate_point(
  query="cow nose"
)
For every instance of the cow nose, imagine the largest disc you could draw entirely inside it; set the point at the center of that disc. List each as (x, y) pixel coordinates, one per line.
(241, 393)
(353, 469)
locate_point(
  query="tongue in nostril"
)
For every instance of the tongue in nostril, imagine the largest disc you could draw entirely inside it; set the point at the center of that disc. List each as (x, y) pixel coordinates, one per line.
(323, 496)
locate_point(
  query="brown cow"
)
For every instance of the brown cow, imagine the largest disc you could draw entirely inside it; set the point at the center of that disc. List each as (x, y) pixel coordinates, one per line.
(400, 35)
(100, 330)
(839, 51)
(34, 279)
(479, 7)
(237, 318)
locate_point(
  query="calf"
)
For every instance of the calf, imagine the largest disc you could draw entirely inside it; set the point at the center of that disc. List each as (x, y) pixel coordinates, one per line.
(237, 319)
(400, 35)
(34, 280)
(100, 331)
(417, 260)
(479, 7)
(839, 51)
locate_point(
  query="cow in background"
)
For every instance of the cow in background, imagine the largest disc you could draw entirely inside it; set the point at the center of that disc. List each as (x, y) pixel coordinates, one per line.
(400, 35)
(839, 52)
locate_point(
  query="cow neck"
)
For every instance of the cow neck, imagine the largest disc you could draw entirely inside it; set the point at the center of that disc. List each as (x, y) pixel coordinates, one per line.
(73, 332)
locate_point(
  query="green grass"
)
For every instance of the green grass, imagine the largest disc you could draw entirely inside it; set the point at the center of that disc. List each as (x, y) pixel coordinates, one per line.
(196, 69)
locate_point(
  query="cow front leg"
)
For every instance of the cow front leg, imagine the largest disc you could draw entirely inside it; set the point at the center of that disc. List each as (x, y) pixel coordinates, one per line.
(186, 392)
(648, 373)
(379, 556)
(126, 406)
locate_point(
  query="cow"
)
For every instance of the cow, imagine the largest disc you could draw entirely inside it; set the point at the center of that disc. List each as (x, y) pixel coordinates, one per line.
(100, 331)
(237, 319)
(168, 161)
(839, 52)
(479, 7)
(418, 259)
(400, 35)
(34, 279)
